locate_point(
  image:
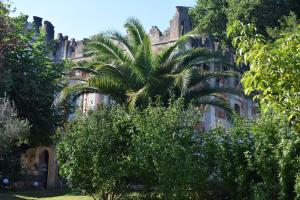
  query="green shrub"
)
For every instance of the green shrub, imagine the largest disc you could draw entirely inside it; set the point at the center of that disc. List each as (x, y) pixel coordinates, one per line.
(111, 150)
(256, 160)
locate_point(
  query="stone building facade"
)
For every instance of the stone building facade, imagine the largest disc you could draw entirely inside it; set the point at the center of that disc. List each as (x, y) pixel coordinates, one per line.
(65, 48)
(180, 24)
(39, 167)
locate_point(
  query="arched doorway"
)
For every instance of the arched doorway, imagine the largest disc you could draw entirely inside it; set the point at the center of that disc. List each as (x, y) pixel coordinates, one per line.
(43, 166)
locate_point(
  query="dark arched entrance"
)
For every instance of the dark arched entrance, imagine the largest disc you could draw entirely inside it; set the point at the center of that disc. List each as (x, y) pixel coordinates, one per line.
(43, 165)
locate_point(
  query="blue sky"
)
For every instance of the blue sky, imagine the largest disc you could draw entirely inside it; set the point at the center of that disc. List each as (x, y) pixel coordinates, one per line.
(83, 18)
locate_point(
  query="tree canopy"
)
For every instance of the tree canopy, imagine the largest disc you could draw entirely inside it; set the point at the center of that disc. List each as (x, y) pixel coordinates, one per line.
(213, 16)
(274, 68)
(28, 76)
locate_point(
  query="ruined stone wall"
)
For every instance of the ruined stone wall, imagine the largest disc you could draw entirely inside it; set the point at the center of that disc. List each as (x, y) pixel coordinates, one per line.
(68, 49)
(180, 24)
(35, 169)
(38, 23)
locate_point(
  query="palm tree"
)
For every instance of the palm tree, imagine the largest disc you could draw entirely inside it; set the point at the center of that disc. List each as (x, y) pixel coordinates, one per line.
(127, 70)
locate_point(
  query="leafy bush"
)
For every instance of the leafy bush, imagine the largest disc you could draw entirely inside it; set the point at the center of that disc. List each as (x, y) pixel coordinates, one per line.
(113, 151)
(93, 153)
(13, 132)
(257, 160)
(164, 150)
(12, 129)
(273, 77)
(156, 153)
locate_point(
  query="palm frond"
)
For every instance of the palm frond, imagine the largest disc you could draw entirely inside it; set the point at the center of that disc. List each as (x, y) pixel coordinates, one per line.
(182, 81)
(74, 91)
(123, 40)
(201, 91)
(135, 96)
(135, 30)
(115, 71)
(214, 101)
(85, 69)
(82, 63)
(197, 76)
(188, 59)
(242, 68)
(194, 56)
(103, 49)
(106, 82)
(144, 60)
(113, 88)
(76, 78)
(165, 54)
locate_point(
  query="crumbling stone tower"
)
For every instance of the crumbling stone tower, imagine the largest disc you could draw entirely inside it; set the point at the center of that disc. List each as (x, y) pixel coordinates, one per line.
(180, 24)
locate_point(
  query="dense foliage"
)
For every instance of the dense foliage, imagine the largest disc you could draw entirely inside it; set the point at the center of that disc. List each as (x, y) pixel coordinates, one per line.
(129, 71)
(6, 30)
(28, 76)
(164, 151)
(257, 160)
(156, 153)
(112, 151)
(213, 16)
(93, 154)
(209, 16)
(13, 132)
(274, 67)
(153, 150)
(12, 129)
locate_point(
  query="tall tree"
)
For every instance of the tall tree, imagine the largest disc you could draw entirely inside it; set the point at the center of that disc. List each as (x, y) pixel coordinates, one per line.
(28, 76)
(274, 68)
(212, 16)
(7, 43)
(127, 70)
(209, 16)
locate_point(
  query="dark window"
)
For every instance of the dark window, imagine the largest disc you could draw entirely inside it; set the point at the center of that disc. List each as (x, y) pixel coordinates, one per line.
(218, 82)
(205, 67)
(182, 28)
(237, 109)
(220, 113)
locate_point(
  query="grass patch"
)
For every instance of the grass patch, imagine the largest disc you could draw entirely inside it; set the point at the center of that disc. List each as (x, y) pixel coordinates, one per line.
(42, 195)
